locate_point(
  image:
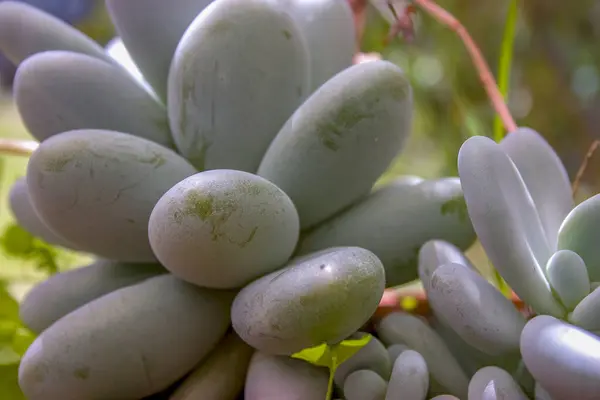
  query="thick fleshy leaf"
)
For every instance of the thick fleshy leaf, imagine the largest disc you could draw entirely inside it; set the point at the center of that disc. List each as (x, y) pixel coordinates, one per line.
(151, 31)
(64, 292)
(277, 377)
(320, 298)
(26, 30)
(341, 139)
(562, 358)
(545, 177)
(435, 253)
(410, 377)
(587, 312)
(416, 334)
(493, 383)
(60, 91)
(328, 27)
(579, 233)
(221, 375)
(395, 350)
(475, 309)
(568, 276)
(129, 344)
(506, 221)
(223, 228)
(469, 358)
(395, 221)
(116, 50)
(373, 356)
(239, 72)
(27, 218)
(364, 384)
(97, 188)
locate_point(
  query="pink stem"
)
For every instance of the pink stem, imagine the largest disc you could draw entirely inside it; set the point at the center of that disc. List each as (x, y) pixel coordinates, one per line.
(487, 79)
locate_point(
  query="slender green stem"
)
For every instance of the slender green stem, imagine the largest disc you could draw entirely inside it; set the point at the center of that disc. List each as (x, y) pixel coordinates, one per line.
(506, 62)
(501, 284)
(331, 375)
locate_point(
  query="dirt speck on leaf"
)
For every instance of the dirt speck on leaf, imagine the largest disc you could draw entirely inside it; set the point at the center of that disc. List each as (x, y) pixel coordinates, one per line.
(82, 373)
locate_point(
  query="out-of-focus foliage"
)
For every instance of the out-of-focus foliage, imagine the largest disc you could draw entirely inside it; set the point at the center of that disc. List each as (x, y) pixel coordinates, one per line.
(554, 85)
(554, 89)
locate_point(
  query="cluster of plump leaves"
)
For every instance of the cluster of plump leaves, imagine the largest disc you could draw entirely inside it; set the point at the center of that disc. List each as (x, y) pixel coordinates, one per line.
(220, 184)
(519, 200)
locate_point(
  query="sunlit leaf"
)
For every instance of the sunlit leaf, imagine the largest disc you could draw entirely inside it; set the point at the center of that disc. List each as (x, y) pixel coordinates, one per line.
(319, 355)
(332, 356)
(347, 348)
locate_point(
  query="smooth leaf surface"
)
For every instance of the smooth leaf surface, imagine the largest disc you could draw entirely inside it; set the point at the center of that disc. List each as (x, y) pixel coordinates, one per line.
(562, 358)
(506, 221)
(151, 30)
(568, 276)
(579, 233)
(545, 177)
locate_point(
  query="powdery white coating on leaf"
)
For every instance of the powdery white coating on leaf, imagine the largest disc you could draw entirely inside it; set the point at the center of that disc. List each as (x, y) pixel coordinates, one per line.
(116, 50)
(140, 339)
(562, 358)
(151, 31)
(568, 276)
(469, 358)
(97, 188)
(341, 139)
(506, 221)
(579, 233)
(60, 91)
(239, 72)
(373, 356)
(284, 378)
(404, 328)
(493, 383)
(475, 309)
(394, 351)
(364, 384)
(223, 228)
(395, 221)
(410, 378)
(27, 218)
(328, 26)
(587, 313)
(319, 298)
(26, 30)
(435, 253)
(64, 292)
(221, 375)
(545, 177)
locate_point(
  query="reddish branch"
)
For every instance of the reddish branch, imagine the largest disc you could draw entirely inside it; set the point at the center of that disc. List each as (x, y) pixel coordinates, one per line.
(487, 79)
(584, 165)
(445, 18)
(17, 147)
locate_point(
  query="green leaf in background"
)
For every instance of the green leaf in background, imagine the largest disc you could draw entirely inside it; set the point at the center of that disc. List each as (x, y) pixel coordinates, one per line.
(506, 62)
(332, 356)
(456, 205)
(17, 242)
(14, 341)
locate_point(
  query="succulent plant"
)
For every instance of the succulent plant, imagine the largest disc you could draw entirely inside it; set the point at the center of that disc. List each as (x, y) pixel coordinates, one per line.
(218, 159)
(70, 11)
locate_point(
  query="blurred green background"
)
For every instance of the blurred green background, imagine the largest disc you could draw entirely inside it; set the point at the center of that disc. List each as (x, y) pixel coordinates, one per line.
(554, 89)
